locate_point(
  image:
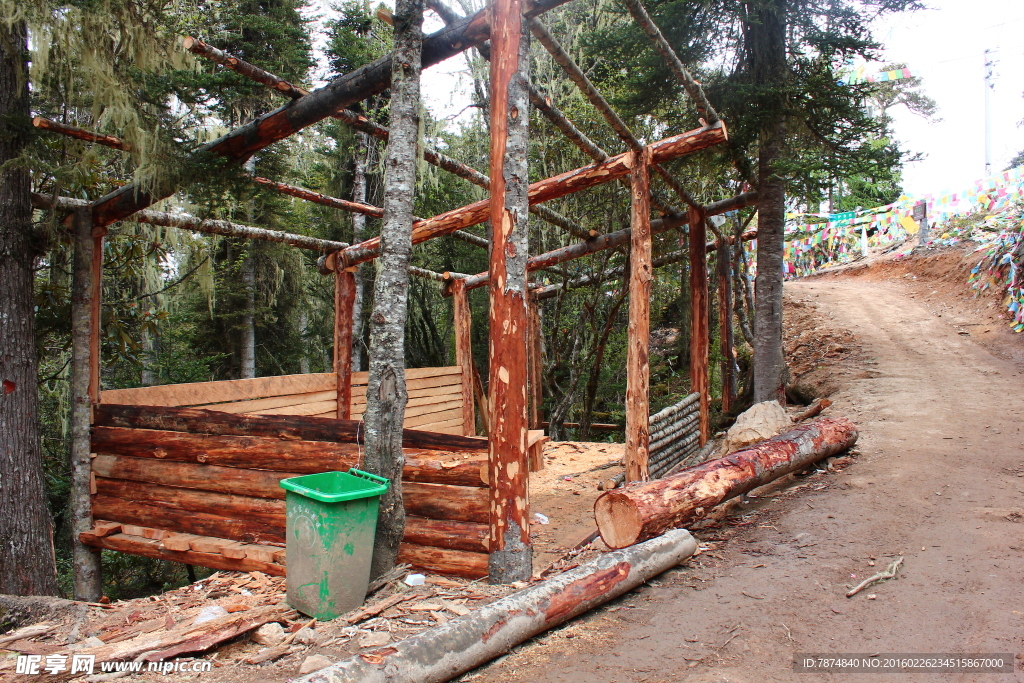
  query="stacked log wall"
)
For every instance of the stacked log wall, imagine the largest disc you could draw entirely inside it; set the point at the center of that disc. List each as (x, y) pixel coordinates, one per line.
(208, 480)
(674, 435)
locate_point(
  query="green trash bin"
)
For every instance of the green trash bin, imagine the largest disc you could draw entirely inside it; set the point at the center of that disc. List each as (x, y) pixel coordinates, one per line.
(331, 523)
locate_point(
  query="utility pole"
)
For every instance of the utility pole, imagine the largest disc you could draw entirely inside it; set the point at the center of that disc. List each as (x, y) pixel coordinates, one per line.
(989, 64)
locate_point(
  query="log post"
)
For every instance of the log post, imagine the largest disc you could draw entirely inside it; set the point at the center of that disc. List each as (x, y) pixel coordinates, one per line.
(635, 513)
(638, 367)
(723, 268)
(536, 364)
(699, 341)
(511, 556)
(344, 303)
(464, 352)
(88, 580)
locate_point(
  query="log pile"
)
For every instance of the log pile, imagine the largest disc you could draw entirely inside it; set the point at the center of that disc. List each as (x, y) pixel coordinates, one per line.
(674, 435)
(640, 511)
(201, 486)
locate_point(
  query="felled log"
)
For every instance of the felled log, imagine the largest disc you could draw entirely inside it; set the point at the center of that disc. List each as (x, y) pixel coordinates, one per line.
(286, 427)
(489, 631)
(637, 512)
(812, 410)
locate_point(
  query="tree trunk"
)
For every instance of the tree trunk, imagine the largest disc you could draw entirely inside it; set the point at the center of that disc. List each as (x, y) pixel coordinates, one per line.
(358, 235)
(26, 532)
(699, 329)
(248, 352)
(84, 335)
(767, 35)
(511, 557)
(386, 394)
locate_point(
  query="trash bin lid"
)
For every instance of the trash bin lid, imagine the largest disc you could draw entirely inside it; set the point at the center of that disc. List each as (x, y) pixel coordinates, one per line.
(335, 487)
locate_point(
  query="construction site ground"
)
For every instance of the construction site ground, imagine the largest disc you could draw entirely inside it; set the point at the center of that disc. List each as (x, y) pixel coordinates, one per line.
(933, 378)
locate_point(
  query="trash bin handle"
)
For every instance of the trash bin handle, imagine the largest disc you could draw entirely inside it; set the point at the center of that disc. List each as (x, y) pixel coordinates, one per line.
(366, 475)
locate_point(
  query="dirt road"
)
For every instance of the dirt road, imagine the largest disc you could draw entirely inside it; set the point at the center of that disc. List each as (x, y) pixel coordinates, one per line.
(938, 479)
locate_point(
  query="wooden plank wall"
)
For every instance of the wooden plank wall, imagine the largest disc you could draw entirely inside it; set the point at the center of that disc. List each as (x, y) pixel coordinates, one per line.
(178, 471)
(435, 397)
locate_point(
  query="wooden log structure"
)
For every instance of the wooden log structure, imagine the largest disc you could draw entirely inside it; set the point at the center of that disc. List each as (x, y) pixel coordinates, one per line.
(640, 511)
(550, 188)
(699, 325)
(240, 66)
(206, 481)
(446, 651)
(80, 133)
(723, 272)
(373, 78)
(318, 198)
(638, 367)
(670, 411)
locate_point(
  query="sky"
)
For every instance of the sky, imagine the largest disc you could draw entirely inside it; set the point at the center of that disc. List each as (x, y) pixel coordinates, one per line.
(945, 46)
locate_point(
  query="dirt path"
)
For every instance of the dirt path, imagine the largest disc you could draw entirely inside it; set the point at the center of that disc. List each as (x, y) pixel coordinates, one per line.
(938, 479)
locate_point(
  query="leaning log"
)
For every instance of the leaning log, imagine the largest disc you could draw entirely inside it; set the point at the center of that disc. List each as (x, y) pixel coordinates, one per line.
(628, 515)
(80, 133)
(461, 644)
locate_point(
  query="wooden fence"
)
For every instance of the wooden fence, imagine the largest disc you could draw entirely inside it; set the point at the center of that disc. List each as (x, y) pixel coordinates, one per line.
(674, 435)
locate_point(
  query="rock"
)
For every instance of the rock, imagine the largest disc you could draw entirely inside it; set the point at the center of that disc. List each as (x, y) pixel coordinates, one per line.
(760, 422)
(375, 639)
(314, 663)
(268, 634)
(308, 636)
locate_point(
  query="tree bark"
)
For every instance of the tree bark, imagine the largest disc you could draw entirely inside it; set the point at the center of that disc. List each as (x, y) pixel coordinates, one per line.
(767, 36)
(358, 234)
(247, 361)
(386, 394)
(723, 267)
(26, 532)
(636, 513)
(84, 391)
(511, 557)
(344, 304)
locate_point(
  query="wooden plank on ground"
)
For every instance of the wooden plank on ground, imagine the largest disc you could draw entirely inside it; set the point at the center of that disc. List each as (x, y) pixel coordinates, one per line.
(197, 393)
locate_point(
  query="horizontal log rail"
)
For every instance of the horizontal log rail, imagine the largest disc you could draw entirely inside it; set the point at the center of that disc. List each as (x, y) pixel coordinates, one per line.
(371, 79)
(203, 225)
(242, 67)
(321, 199)
(548, 189)
(616, 239)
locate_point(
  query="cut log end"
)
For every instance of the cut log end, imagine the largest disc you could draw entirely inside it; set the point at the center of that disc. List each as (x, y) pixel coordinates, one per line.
(618, 519)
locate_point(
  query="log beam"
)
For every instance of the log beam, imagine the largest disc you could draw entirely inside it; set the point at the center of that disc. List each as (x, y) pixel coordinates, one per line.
(240, 66)
(620, 238)
(371, 79)
(629, 515)
(80, 133)
(699, 332)
(638, 367)
(550, 188)
(207, 226)
(321, 199)
(723, 271)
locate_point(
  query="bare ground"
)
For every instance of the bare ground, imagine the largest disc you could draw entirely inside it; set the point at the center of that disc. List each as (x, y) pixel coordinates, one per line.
(937, 478)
